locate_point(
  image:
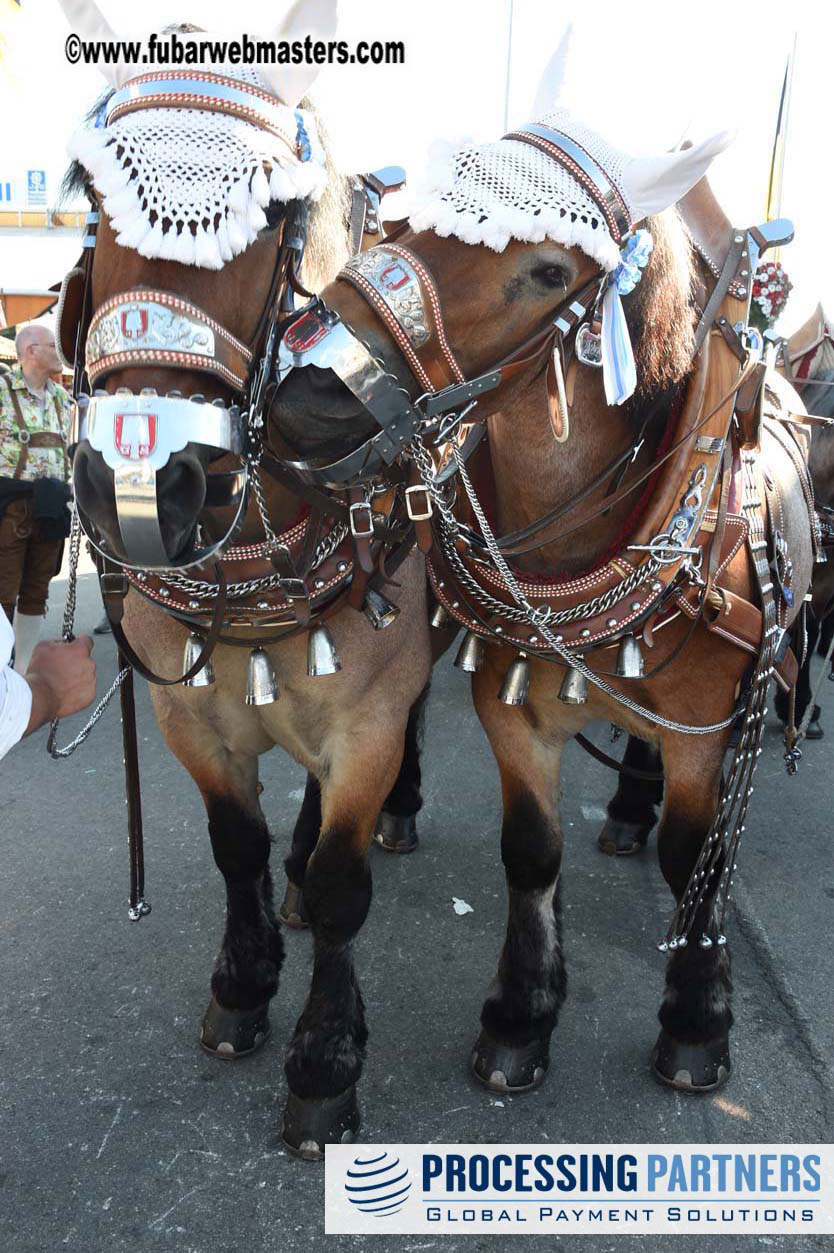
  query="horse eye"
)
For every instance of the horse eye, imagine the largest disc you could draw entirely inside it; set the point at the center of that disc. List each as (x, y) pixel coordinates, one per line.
(552, 276)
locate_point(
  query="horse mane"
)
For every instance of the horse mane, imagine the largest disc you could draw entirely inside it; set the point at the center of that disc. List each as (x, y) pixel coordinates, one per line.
(326, 220)
(661, 313)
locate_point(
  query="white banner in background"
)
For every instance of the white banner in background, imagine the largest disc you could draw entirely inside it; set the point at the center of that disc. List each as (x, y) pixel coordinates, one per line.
(537, 1189)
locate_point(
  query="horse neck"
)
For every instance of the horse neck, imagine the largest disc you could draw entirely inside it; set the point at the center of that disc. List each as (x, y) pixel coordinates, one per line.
(534, 474)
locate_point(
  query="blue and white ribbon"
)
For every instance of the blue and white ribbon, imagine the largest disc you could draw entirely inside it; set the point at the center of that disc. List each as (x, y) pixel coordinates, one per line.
(618, 369)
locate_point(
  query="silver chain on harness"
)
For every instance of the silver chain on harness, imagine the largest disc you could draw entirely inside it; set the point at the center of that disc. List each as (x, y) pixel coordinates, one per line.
(67, 633)
(723, 839)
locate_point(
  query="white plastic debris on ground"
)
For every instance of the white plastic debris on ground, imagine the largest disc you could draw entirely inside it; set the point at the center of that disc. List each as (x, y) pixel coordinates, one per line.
(460, 907)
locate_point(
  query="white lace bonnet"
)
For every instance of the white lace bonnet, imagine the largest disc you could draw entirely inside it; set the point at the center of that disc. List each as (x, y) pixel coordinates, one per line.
(563, 181)
(191, 184)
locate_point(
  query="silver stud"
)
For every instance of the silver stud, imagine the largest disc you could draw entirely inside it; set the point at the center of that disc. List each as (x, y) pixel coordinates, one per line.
(319, 583)
(635, 605)
(612, 622)
(263, 604)
(342, 566)
(193, 604)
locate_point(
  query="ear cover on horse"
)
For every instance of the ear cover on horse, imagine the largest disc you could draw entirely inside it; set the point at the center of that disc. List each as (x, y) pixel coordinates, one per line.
(653, 184)
(316, 18)
(90, 24)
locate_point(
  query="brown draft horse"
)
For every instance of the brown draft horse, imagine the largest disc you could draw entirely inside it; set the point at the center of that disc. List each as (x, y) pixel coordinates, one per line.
(491, 304)
(347, 729)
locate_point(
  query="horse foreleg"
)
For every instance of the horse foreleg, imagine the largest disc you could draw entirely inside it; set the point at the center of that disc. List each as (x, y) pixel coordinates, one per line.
(246, 971)
(692, 1051)
(304, 837)
(327, 1050)
(523, 1003)
(631, 810)
(396, 827)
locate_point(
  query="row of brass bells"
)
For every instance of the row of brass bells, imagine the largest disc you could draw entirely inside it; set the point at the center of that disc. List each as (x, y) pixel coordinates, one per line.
(205, 675)
(322, 658)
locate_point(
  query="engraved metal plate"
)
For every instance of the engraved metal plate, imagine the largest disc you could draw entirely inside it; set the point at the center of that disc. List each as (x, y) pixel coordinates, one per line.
(146, 325)
(588, 346)
(394, 279)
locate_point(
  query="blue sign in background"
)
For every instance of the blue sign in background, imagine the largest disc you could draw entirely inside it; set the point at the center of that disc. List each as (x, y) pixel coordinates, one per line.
(36, 186)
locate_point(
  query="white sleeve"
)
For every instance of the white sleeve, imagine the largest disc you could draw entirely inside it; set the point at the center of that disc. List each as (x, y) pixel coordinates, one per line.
(15, 693)
(15, 708)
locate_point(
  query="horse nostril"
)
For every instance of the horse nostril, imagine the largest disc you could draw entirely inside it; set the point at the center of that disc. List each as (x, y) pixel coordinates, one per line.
(180, 494)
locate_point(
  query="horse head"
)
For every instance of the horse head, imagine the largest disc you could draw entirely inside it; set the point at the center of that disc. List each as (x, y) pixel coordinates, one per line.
(202, 186)
(517, 246)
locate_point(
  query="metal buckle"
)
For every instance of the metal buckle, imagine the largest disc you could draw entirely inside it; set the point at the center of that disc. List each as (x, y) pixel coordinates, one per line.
(24, 436)
(450, 423)
(114, 583)
(293, 587)
(368, 515)
(427, 505)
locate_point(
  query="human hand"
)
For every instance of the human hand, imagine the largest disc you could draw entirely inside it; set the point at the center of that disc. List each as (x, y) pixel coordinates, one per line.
(62, 677)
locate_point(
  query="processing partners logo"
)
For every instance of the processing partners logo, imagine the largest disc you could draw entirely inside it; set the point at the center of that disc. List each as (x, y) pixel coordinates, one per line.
(553, 1189)
(377, 1183)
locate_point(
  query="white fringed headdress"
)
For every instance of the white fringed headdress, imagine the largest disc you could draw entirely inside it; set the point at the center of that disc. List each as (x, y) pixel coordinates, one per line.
(191, 183)
(558, 179)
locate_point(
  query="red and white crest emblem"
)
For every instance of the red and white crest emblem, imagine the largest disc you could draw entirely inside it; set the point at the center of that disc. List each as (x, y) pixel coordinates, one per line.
(394, 276)
(134, 323)
(304, 333)
(135, 435)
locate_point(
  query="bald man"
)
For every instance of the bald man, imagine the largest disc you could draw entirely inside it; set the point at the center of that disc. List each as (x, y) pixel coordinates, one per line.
(34, 471)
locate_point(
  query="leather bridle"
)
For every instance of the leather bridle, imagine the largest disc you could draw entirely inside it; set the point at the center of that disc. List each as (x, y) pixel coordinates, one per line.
(401, 291)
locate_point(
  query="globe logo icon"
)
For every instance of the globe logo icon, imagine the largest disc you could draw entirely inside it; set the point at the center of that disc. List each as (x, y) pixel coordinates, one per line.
(378, 1184)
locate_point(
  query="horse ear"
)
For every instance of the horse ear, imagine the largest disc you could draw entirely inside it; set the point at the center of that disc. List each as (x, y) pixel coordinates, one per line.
(652, 184)
(316, 18)
(89, 23)
(553, 78)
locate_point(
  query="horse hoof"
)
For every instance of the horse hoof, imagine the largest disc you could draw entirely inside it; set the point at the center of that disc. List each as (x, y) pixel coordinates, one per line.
(309, 1125)
(395, 834)
(691, 1067)
(815, 731)
(233, 1033)
(292, 912)
(621, 839)
(507, 1067)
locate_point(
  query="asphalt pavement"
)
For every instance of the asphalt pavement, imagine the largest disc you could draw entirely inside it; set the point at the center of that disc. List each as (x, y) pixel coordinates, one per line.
(118, 1133)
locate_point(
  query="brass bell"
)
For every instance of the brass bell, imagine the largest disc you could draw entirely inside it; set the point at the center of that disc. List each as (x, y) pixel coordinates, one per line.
(261, 688)
(471, 653)
(439, 618)
(516, 685)
(629, 658)
(574, 689)
(322, 657)
(379, 610)
(205, 675)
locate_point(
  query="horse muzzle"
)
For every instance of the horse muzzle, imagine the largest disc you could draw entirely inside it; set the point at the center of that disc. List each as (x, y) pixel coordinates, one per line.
(143, 440)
